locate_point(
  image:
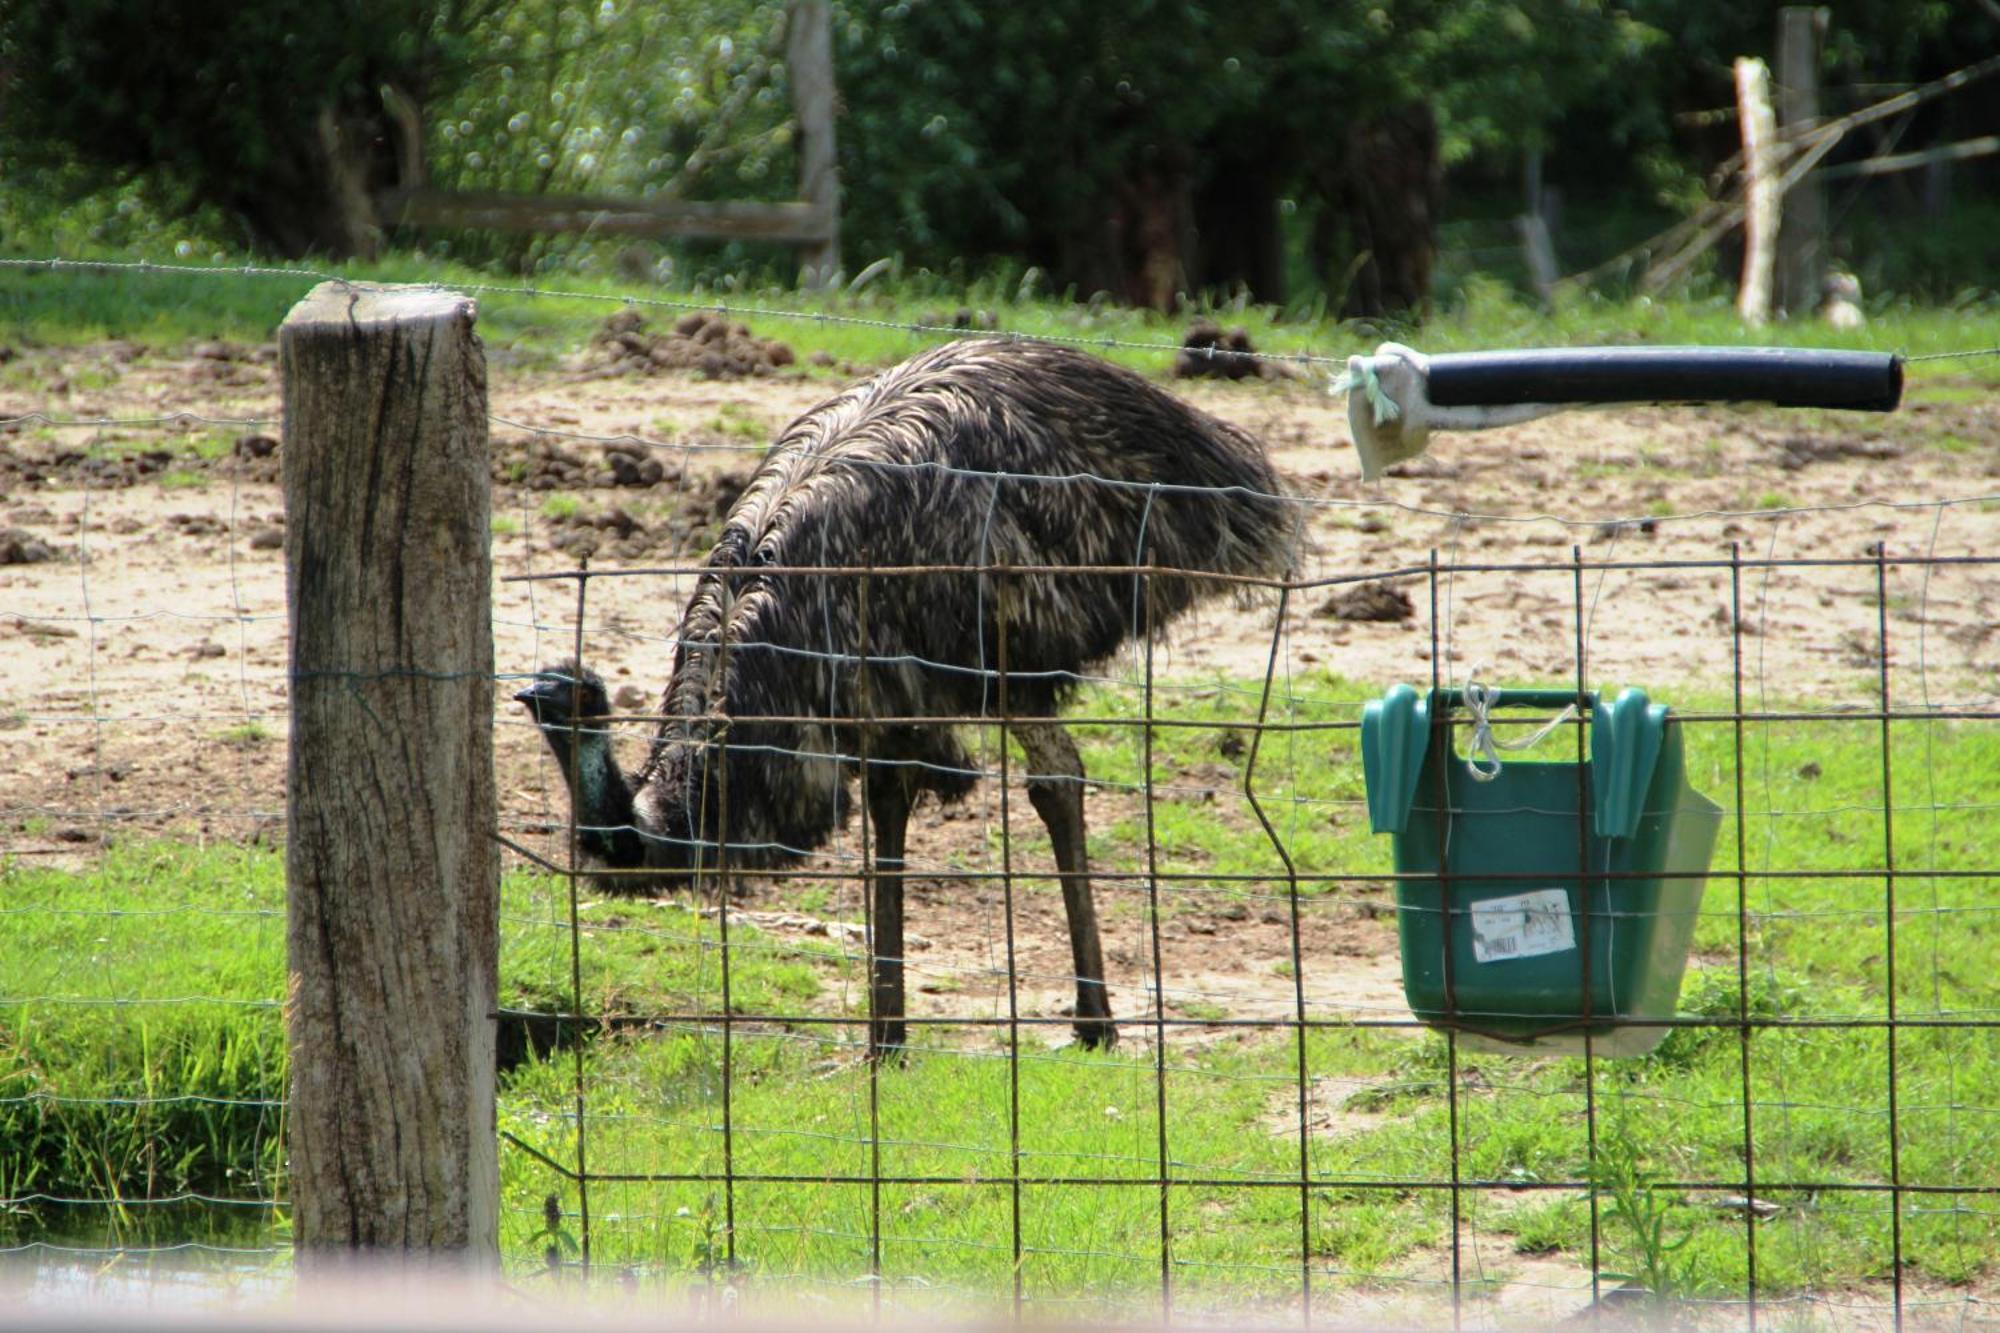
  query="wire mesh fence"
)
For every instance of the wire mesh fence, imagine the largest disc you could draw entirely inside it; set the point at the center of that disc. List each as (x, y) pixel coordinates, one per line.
(1718, 1161)
(690, 1098)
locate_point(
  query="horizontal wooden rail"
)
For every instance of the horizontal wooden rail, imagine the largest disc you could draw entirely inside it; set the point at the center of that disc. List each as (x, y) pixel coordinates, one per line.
(791, 223)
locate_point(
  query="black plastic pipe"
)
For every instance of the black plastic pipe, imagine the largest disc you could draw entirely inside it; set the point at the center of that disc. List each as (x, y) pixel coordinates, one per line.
(1782, 376)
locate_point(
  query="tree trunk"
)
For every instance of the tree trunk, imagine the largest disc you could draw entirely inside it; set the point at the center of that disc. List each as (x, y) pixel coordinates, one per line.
(391, 864)
(1802, 241)
(1241, 242)
(1383, 203)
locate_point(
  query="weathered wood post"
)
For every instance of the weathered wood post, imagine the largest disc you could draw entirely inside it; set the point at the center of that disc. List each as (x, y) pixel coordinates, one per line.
(392, 869)
(1802, 248)
(1538, 246)
(809, 62)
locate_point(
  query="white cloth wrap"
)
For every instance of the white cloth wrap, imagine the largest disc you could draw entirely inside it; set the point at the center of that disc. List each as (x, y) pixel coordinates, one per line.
(1391, 414)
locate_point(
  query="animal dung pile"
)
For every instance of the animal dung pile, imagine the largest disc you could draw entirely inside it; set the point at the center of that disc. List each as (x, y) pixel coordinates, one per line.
(962, 318)
(700, 341)
(611, 532)
(231, 365)
(1212, 352)
(1802, 451)
(544, 465)
(688, 526)
(1370, 602)
(197, 525)
(256, 459)
(18, 546)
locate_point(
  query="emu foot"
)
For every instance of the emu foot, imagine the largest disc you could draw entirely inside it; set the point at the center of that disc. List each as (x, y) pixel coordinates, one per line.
(885, 1042)
(1095, 1033)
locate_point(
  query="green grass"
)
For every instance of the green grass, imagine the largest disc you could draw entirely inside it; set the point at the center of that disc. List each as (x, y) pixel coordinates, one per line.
(141, 1046)
(536, 328)
(560, 507)
(735, 421)
(153, 923)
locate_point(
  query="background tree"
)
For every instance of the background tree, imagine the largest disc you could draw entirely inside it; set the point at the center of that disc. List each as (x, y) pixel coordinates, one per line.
(1143, 148)
(272, 113)
(1153, 147)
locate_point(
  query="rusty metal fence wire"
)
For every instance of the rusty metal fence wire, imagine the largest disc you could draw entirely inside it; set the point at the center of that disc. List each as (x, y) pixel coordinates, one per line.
(1276, 1132)
(1744, 992)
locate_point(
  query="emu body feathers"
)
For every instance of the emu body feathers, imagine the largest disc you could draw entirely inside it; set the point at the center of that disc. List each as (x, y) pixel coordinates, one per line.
(974, 454)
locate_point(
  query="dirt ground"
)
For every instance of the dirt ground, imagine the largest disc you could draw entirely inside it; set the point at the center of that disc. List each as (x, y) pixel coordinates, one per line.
(143, 686)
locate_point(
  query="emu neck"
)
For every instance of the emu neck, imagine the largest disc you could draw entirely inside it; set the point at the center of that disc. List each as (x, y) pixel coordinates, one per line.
(603, 800)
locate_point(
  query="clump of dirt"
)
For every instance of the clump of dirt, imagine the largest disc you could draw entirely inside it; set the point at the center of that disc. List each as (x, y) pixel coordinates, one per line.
(544, 465)
(28, 468)
(708, 344)
(1211, 352)
(214, 349)
(18, 546)
(1802, 451)
(197, 525)
(232, 365)
(254, 458)
(1370, 602)
(63, 466)
(36, 629)
(962, 318)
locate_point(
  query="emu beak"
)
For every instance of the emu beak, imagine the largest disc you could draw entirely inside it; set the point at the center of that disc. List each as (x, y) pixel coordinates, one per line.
(531, 695)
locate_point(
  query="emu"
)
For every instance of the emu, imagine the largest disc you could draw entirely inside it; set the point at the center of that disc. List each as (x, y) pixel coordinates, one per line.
(985, 453)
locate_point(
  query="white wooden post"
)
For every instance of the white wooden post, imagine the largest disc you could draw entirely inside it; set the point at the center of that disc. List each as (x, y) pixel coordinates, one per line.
(1762, 203)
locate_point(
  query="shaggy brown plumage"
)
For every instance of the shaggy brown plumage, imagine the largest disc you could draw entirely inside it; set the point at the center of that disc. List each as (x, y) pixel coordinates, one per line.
(983, 453)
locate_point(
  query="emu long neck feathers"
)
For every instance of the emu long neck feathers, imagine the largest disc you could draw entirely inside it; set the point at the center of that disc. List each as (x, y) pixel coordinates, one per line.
(603, 796)
(974, 454)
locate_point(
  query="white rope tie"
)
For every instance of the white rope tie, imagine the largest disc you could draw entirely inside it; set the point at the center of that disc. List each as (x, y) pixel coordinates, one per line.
(1361, 375)
(1480, 700)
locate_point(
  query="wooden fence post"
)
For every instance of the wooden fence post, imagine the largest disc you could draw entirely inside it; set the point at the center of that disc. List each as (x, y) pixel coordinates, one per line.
(1802, 232)
(809, 62)
(392, 869)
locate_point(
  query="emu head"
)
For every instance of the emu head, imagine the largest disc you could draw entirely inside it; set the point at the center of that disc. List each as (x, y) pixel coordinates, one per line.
(563, 694)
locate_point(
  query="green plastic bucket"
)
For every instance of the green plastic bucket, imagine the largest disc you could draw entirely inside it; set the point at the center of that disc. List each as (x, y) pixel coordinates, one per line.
(1554, 899)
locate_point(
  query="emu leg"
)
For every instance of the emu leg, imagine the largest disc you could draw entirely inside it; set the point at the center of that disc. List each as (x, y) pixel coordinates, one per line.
(1055, 786)
(889, 814)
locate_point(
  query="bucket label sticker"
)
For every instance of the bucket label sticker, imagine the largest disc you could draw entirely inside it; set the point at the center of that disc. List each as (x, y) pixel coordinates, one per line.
(1522, 926)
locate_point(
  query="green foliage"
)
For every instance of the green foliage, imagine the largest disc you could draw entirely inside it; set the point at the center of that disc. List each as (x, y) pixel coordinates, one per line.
(179, 1091)
(210, 104)
(1077, 101)
(1659, 116)
(1080, 138)
(686, 100)
(1648, 1225)
(142, 1049)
